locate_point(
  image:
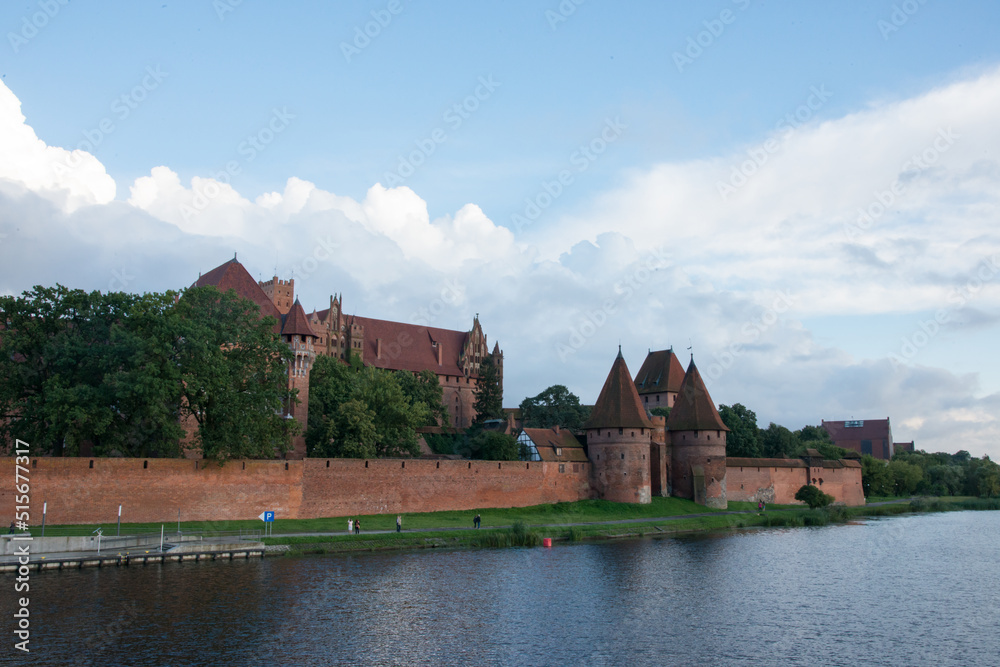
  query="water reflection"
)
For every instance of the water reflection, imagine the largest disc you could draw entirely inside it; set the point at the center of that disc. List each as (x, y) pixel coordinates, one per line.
(901, 591)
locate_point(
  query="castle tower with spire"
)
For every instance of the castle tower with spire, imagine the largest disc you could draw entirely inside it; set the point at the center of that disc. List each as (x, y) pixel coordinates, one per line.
(697, 437)
(295, 331)
(618, 440)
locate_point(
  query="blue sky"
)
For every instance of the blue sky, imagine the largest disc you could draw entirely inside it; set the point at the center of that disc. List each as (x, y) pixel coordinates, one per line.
(643, 222)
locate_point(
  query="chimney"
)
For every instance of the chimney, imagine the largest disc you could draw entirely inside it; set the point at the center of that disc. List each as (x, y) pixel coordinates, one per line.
(556, 428)
(378, 348)
(440, 358)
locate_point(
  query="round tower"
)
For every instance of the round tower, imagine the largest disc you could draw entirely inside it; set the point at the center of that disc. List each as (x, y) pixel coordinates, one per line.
(618, 440)
(698, 444)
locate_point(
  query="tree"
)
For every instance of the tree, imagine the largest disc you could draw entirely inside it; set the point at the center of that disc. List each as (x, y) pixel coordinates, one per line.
(905, 477)
(394, 417)
(812, 496)
(778, 442)
(423, 387)
(234, 375)
(88, 369)
(743, 438)
(489, 392)
(332, 383)
(661, 412)
(556, 406)
(494, 446)
(875, 477)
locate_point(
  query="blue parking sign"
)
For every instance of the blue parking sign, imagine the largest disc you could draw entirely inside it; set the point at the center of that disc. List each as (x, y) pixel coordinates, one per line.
(266, 517)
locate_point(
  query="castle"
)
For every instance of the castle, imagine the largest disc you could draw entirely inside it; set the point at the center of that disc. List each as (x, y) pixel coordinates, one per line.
(453, 356)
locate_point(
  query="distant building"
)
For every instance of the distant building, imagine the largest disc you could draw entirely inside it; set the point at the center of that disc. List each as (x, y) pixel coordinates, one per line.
(902, 446)
(864, 436)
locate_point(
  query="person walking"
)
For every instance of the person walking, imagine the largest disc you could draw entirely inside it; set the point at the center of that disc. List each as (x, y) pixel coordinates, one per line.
(350, 525)
(399, 523)
(357, 526)
(477, 521)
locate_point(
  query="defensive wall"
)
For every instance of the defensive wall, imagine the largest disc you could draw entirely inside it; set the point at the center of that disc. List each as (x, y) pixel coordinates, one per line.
(88, 491)
(777, 480)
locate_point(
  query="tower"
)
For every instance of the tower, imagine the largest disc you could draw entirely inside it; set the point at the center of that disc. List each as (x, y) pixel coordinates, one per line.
(299, 336)
(280, 292)
(697, 438)
(618, 439)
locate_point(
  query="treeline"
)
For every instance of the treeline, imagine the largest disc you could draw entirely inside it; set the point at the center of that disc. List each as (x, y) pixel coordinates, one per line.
(116, 374)
(938, 474)
(746, 439)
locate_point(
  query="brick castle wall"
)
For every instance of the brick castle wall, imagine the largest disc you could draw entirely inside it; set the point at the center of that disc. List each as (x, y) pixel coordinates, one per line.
(203, 491)
(778, 484)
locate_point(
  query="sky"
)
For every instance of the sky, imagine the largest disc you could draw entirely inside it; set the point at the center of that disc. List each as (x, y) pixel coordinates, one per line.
(804, 196)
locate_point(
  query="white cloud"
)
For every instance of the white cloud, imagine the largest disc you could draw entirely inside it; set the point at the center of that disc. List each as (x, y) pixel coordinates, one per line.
(663, 260)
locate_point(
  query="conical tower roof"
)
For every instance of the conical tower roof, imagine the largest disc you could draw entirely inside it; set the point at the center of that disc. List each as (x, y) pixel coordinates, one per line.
(618, 405)
(694, 410)
(296, 323)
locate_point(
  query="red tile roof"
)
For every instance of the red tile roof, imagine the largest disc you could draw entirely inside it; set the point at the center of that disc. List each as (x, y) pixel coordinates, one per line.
(411, 347)
(232, 276)
(547, 441)
(661, 371)
(693, 410)
(296, 323)
(618, 405)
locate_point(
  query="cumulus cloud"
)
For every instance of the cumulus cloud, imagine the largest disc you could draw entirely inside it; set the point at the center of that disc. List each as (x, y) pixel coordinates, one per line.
(664, 260)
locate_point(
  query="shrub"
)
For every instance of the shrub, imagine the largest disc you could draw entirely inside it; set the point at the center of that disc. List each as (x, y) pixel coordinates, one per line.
(813, 497)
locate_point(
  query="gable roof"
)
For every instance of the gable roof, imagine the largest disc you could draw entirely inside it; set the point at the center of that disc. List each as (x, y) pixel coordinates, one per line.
(233, 276)
(296, 323)
(547, 440)
(661, 371)
(411, 347)
(618, 405)
(694, 410)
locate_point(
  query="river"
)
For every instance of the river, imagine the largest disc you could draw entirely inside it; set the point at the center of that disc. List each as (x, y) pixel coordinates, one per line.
(911, 590)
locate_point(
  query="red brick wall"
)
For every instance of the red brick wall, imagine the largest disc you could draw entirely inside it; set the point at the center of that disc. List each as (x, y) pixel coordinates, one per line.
(621, 464)
(78, 494)
(703, 451)
(779, 484)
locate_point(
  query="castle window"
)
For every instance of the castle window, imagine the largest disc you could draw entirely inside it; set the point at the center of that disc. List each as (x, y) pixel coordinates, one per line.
(657, 398)
(645, 399)
(709, 437)
(562, 467)
(623, 456)
(621, 431)
(633, 434)
(558, 451)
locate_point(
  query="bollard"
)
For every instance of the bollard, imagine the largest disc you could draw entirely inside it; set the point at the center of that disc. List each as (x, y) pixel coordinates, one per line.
(546, 541)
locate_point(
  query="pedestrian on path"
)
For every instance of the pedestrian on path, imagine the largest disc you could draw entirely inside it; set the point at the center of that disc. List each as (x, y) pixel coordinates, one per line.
(357, 526)
(350, 525)
(477, 521)
(11, 528)
(399, 523)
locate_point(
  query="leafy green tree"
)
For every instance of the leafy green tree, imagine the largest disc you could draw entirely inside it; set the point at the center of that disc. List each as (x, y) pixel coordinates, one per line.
(875, 477)
(812, 496)
(331, 384)
(353, 430)
(744, 437)
(234, 375)
(396, 419)
(424, 387)
(778, 442)
(88, 368)
(489, 392)
(905, 477)
(556, 406)
(494, 446)
(661, 412)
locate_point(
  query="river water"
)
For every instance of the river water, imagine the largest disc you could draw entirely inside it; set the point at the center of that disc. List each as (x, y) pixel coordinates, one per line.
(913, 590)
